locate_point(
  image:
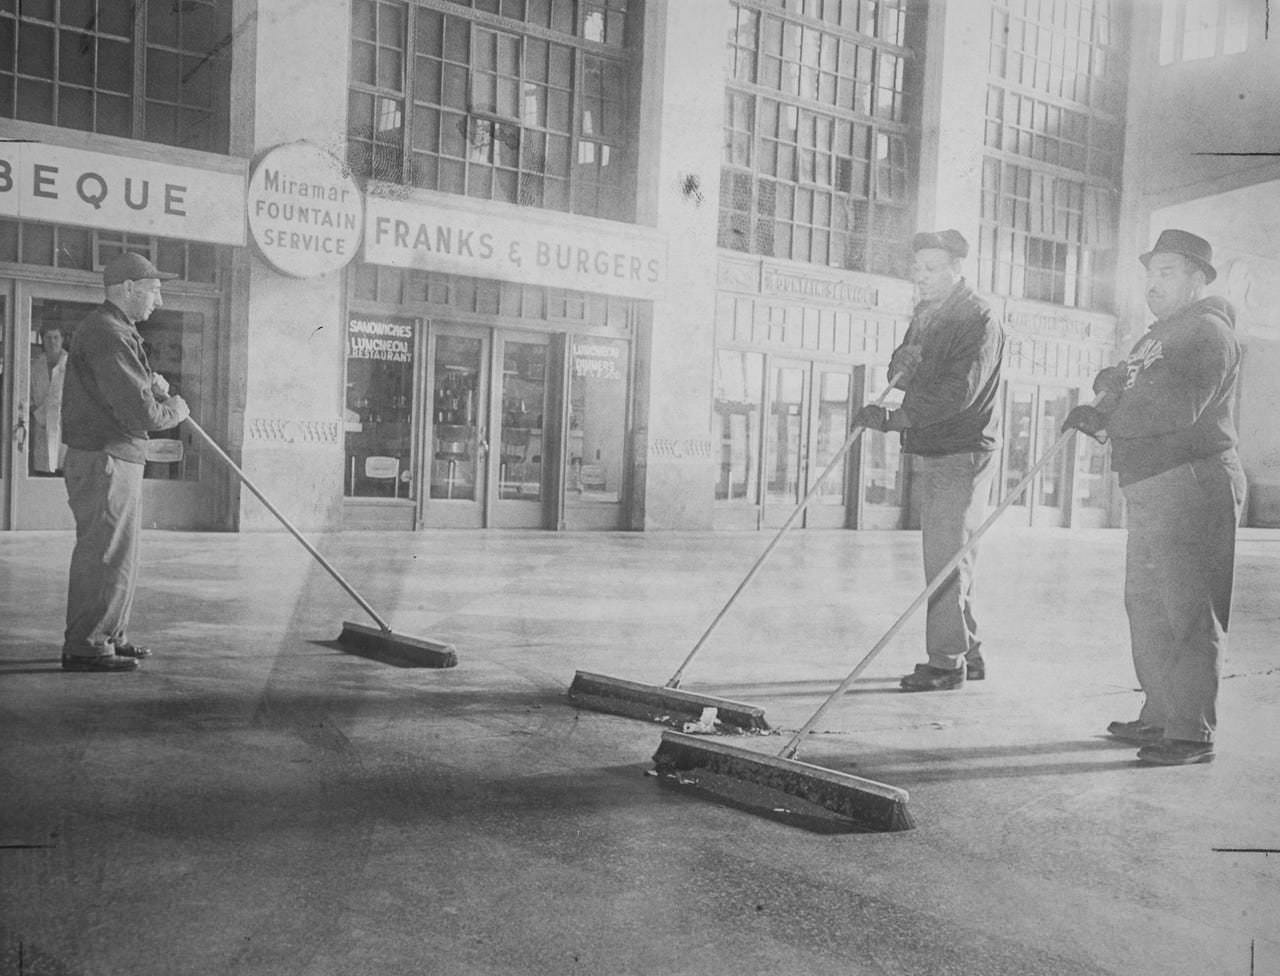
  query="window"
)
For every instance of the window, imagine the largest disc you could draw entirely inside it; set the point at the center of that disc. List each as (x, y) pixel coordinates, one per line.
(442, 101)
(1046, 237)
(1050, 183)
(151, 70)
(55, 246)
(1191, 30)
(818, 168)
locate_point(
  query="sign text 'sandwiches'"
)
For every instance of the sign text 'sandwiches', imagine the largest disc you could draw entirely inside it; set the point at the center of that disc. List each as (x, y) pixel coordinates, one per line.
(516, 246)
(388, 340)
(306, 213)
(60, 185)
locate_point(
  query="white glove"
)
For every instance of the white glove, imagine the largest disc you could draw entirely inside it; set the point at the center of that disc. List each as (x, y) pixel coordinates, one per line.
(159, 385)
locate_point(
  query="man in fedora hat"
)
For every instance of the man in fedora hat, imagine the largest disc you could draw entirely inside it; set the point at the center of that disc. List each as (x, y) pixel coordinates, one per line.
(1167, 409)
(111, 398)
(948, 365)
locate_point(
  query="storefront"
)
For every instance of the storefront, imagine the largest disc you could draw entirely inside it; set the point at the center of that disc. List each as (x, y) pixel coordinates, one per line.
(477, 403)
(495, 390)
(65, 210)
(1051, 357)
(797, 351)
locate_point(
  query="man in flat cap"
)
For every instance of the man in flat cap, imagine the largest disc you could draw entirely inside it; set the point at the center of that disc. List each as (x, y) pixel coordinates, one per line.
(111, 398)
(1167, 409)
(949, 368)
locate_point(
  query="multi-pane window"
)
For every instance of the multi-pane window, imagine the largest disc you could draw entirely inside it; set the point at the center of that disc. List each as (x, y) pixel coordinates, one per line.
(82, 249)
(1054, 134)
(816, 151)
(1194, 29)
(492, 110)
(1046, 236)
(153, 70)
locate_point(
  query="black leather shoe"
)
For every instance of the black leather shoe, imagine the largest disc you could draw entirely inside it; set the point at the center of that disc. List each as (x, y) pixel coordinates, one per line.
(1136, 731)
(132, 650)
(1176, 752)
(99, 663)
(928, 678)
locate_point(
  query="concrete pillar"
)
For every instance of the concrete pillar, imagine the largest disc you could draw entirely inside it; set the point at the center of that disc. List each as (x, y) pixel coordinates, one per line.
(678, 186)
(953, 117)
(291, 330)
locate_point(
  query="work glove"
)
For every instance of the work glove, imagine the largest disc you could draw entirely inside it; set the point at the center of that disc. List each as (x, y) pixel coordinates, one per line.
(159, 385)
(872, 417)
(903, 364)
(875, 417)
(177, 403)
(1088, 420)
(1111, 381)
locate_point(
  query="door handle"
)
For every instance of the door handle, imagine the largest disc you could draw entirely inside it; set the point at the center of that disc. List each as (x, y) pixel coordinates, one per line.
(20, 429)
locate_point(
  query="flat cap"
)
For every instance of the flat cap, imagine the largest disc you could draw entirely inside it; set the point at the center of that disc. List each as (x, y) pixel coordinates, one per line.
(129, 266)
(951, 241)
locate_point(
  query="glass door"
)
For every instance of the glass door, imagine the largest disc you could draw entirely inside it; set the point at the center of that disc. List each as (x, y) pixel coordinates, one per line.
(882, 470)
(520, 426)
(806, 422)
(174, 337)
(786, 455)
(1019, 442)
(10, 418)
(1033, 419)
(1050, 494)
(457, 436)
(829, 426)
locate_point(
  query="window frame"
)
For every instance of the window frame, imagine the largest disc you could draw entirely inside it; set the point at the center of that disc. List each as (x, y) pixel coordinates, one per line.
(850, 196)
(144, 106)
(565, 190)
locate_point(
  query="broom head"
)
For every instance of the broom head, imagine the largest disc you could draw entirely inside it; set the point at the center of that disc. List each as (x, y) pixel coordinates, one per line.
(671, 706)
(399, 647)
(764, 781)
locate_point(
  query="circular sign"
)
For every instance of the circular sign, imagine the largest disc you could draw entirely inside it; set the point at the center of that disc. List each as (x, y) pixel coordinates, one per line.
(306, 213)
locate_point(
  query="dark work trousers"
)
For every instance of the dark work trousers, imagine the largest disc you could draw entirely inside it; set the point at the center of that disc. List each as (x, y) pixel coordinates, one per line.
(953, 504)
(1179, 567)
(105, 495)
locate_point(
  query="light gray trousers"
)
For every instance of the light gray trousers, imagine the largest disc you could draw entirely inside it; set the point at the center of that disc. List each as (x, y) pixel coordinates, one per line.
(953, 505)
(105, 495)
(1179, 568)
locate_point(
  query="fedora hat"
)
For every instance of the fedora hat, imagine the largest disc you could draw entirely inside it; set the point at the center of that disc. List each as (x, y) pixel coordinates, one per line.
(1189, 245)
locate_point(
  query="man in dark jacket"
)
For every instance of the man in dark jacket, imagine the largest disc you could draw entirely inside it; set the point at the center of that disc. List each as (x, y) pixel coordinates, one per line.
(110, 400)
(949, 367)
(1167, 409)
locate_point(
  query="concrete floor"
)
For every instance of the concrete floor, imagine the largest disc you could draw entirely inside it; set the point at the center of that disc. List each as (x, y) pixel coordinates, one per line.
(257, 801)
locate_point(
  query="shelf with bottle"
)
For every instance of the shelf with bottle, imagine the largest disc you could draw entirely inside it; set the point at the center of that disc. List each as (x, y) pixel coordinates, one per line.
(455, 398)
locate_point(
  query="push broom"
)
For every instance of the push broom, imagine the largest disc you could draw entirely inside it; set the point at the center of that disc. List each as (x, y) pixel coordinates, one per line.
(356, 637)
(667, 702)
(860, 803)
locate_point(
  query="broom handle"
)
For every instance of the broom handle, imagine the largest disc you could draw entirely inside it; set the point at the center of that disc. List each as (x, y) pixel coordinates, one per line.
(674, 681)
(244, 478)
(789, 750)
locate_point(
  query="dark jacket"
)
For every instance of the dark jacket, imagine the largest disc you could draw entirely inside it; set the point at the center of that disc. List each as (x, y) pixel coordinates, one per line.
(107, 402)
(951, 399)
(1180, 383)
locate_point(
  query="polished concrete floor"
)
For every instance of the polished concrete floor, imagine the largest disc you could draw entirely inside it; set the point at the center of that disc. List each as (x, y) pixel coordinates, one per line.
(256, 800)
